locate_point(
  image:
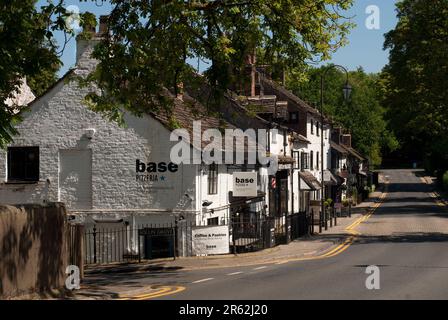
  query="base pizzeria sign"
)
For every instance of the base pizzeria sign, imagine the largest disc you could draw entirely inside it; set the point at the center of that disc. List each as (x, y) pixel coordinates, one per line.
(244, 184)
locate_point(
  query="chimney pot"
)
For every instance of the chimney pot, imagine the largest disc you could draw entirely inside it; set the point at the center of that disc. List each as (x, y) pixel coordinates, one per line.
(347, 140)
(104, 22)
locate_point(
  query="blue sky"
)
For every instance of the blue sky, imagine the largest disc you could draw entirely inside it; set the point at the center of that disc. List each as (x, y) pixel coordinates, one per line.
(365, 46)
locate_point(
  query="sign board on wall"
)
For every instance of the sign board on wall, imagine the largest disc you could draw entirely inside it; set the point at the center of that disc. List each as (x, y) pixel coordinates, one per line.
(244, 184)
(210, 240)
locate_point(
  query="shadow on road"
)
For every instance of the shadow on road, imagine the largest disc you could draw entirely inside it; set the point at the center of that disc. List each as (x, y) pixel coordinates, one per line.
(403, 238)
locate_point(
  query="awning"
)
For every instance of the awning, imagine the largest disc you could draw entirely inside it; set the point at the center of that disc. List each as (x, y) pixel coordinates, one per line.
(308, 181)
(363, 173)
(338, 147)
(299, 138)
(354, 153)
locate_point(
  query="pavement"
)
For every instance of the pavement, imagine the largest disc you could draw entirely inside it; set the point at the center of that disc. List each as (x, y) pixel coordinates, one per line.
(124, 282)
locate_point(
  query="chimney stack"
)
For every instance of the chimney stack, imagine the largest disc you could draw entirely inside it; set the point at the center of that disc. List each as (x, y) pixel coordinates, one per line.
(85, 45)
(104, 23)
(251, 61)
(336, 135)
(347, 140)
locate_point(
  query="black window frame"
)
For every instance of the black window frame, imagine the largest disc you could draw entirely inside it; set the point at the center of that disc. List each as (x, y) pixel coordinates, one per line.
(291, 114)
(312, 126)
(317, 160)
(312, 160)
(212, 179)
(296, 157)
(304, 161)
(213, 221)
(30, 169)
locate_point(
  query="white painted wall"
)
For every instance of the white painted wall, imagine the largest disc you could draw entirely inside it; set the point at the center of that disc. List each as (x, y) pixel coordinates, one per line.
(59, 121)
(315, 146)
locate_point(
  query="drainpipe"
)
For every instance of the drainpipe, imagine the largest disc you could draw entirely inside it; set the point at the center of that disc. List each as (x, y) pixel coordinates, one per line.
(252, 75)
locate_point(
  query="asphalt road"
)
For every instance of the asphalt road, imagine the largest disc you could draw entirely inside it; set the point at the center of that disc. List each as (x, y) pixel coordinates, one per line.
(407, 238)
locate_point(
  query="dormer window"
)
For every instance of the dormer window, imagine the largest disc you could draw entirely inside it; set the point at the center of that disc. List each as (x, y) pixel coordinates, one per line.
(293, 117)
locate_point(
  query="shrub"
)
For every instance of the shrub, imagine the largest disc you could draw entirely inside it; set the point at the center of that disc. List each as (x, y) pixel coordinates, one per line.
(445, 181)
(328, 202)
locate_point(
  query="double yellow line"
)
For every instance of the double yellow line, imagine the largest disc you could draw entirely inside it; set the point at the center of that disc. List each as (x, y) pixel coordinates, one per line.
(436, 197)
(167, 290)
(353, 233)
(163, 291)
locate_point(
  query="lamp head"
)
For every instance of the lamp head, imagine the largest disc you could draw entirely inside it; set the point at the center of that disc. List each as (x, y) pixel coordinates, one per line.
(347, 90)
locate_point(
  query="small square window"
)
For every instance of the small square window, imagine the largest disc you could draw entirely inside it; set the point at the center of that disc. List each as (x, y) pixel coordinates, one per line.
(213, 221)
(23, 164)
(293, 117)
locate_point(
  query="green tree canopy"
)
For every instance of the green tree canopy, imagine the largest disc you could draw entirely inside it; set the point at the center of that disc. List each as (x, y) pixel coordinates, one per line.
(415, 81)
(149, 43)
(362, 114)
(27, 49)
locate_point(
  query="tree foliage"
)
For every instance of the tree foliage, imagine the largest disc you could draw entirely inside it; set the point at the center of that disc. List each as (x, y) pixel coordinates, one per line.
(415, 80)
(149, 43)
(27, 50)
(362, 114)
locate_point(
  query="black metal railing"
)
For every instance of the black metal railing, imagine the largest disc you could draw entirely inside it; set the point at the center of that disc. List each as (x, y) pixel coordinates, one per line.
(103, 245)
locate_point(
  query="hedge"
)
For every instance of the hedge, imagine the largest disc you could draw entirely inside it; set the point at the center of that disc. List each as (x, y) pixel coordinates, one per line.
(445, 181)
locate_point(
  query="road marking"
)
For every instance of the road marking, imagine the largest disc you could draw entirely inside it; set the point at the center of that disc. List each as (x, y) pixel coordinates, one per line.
(202, 280)
(342, 247)
(356, 222)
(161, 294)
(437, 199)
(149, 295)
(163, 291)
(353, 233)
(335, 251)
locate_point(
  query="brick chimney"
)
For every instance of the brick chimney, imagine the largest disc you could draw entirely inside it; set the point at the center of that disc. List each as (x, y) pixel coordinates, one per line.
(85, 45)
(253, 75)
(346, 140)
(336, 135)
(104, 21)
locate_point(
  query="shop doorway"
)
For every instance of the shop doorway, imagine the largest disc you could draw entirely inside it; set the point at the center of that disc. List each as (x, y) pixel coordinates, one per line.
(157, 242)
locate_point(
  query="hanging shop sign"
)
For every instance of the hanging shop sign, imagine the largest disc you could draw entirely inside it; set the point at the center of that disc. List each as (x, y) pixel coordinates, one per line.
(244, 184)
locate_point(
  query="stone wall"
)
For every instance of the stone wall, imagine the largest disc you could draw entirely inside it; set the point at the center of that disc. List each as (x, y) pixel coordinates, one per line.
(33, 248)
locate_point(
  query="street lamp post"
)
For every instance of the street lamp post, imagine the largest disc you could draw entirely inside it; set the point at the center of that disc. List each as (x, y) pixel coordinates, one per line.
(346, 90)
